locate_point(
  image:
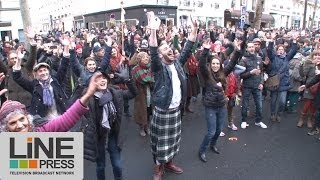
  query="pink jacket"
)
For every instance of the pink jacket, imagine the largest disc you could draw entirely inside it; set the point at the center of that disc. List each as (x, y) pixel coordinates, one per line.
(66, 121)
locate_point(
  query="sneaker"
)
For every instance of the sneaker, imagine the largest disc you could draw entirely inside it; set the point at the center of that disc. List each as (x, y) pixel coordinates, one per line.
(244, 125)
(261, 124)
(233, 127)
(313, 132)
(142, 132)
(222, 134)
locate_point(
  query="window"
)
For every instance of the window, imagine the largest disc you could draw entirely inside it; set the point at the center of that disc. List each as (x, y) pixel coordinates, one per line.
(186, 3)
(97, 25)
(200, 4)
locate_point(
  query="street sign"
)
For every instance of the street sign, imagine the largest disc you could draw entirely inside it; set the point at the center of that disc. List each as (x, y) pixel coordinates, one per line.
(243, 10)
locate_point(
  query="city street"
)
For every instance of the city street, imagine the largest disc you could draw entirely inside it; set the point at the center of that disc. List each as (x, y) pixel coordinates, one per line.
(282, 151)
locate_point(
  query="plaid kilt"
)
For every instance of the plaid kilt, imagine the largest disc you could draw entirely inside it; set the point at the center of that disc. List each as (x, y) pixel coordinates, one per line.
(165, 134)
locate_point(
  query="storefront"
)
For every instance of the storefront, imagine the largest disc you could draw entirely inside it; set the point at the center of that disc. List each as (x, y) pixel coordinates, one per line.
(135, 15)
(232, 17)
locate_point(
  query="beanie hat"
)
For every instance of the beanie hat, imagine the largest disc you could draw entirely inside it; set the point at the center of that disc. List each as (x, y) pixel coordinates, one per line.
(136, 37)
(78, 46)
(9, 107)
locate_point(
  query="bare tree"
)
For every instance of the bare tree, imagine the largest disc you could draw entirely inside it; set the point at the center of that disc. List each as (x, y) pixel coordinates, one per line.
(314, 14)
(258, 14)
(25, 14)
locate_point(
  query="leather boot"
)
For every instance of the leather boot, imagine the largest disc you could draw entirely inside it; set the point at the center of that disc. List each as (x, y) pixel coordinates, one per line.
(310, 121)
(173, 168)
(158, 172)
(301, 120)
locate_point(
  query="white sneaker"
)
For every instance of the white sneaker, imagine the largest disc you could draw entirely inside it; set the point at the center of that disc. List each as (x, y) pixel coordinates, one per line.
(261, 124)
(244, 125)
(233, 127)
(142, 132)
(222, 134)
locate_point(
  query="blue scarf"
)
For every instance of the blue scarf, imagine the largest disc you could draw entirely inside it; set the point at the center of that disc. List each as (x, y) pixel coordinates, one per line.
(47, 94)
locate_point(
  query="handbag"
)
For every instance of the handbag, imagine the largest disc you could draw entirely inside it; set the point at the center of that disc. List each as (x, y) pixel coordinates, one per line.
(314, 89)
(272, 83)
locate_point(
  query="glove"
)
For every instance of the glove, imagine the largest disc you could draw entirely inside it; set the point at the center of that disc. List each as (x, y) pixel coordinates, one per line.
(123, 72)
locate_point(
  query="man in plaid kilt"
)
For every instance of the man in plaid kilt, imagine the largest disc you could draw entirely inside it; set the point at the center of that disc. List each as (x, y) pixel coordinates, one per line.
(170, 91)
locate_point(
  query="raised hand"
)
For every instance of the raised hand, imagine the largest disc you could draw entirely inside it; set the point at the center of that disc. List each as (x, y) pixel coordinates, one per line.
(30, 33)
(195, 23)
(153, 21)
(123, 72)
(109, 40)
(237, 44)
(65, 41)
(92, 88)
(207, 43)
(17, 65)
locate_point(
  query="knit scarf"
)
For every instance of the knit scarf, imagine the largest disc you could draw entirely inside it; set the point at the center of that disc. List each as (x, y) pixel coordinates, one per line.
(109, 110)
(142, 74)
(47, 94)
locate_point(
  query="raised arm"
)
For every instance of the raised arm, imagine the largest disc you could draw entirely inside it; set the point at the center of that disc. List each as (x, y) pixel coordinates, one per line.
(203, 59)
(230, 66)
(77, 68)
(107, 55)
(155, 59)
(33, 50)
(186, 51)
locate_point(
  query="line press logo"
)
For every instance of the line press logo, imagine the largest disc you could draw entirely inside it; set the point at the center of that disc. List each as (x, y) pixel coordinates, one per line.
(41, 155)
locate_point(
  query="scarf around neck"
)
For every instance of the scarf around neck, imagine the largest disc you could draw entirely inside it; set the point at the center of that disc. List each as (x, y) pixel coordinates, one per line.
(142, 74)
(47, 94)
(109, 110)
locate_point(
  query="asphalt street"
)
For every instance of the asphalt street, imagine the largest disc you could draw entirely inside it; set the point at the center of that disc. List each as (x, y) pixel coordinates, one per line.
(282, 151)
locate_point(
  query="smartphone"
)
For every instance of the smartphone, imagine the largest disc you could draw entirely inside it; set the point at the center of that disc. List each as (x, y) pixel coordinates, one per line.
(53, 47)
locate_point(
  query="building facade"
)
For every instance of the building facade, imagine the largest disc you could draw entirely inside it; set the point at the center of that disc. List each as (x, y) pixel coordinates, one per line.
(70, 13)
(11, 26)
(134, 15)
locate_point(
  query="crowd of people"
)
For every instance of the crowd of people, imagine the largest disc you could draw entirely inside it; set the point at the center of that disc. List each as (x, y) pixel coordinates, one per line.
(84, 81)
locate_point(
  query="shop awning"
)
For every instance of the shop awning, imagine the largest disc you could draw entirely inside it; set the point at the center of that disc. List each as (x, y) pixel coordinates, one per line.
(5, 23)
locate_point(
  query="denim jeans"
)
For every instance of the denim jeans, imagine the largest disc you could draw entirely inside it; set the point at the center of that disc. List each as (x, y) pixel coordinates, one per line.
(257, 97)
(293, 98)
(215, 118)
(115, 157)
(278, 102)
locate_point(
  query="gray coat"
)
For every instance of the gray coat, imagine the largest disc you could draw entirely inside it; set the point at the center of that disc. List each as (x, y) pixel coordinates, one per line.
(295, 79)
(307, 71)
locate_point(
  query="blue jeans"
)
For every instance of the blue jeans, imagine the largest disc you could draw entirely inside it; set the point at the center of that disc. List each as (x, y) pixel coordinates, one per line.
(215, 120)
(115, 157)
(257, 97)
(278, 102)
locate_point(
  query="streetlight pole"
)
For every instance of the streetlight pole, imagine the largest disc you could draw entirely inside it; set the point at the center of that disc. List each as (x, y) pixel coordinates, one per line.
(305, 14)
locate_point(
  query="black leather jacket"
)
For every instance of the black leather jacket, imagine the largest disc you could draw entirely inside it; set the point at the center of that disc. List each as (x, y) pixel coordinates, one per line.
(162, 93)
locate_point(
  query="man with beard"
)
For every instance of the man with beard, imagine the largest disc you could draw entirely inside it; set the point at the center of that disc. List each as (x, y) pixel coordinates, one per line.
(168, 96)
